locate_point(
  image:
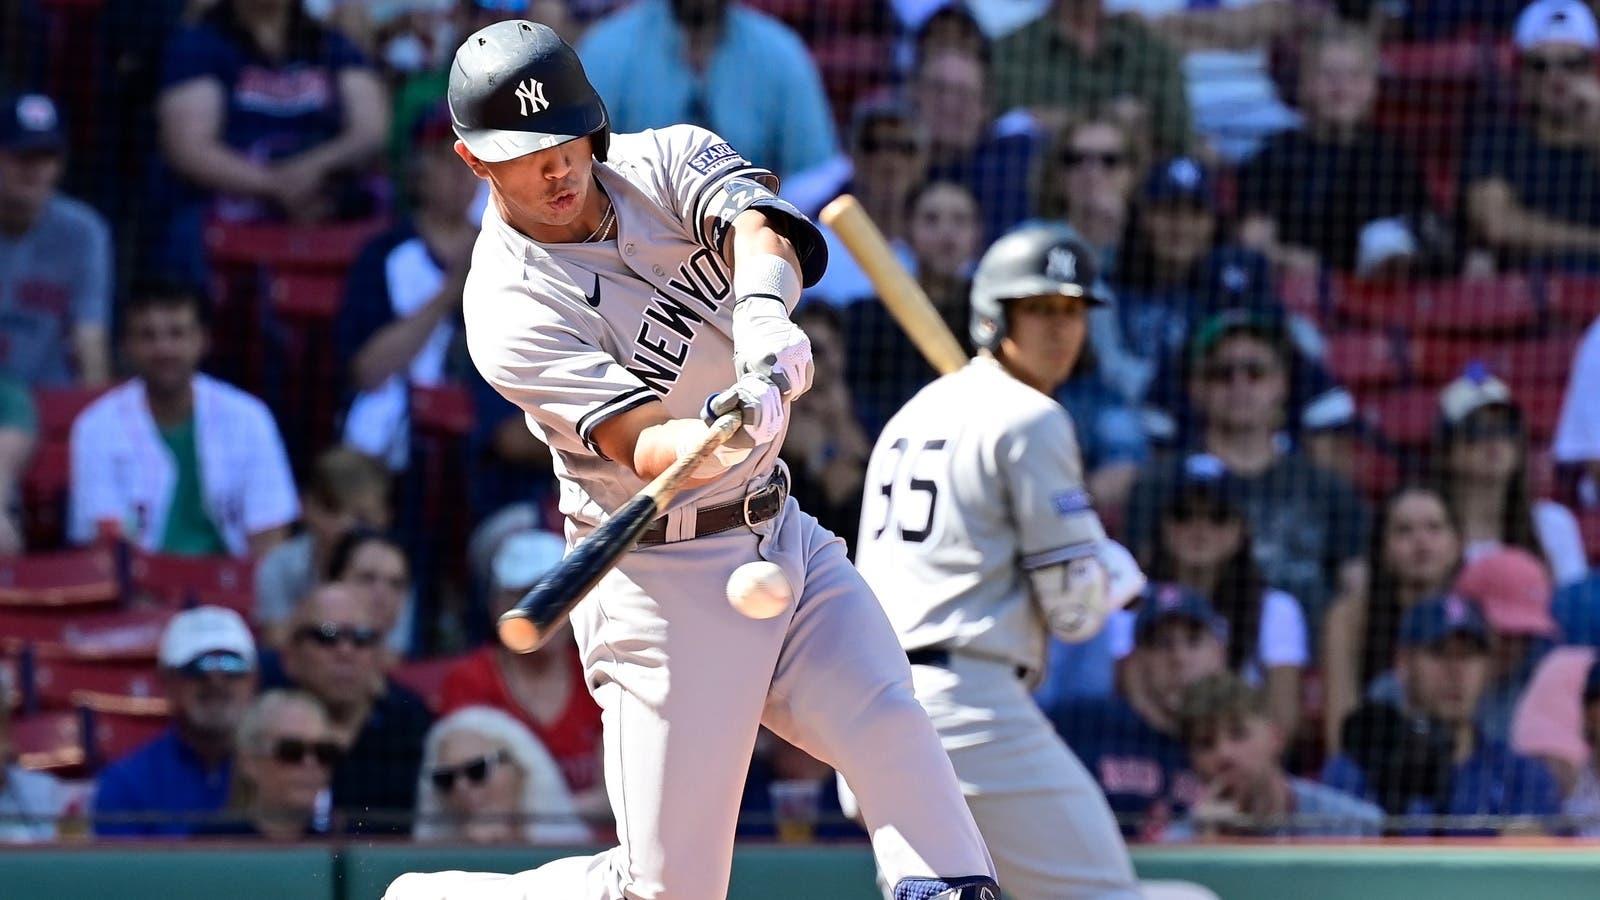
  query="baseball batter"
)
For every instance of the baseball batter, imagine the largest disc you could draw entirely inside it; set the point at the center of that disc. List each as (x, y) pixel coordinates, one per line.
(620, 281)
(978, 537)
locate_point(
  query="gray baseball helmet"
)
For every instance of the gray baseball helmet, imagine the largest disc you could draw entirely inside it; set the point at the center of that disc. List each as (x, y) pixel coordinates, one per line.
(516, 87)
(1030, 261)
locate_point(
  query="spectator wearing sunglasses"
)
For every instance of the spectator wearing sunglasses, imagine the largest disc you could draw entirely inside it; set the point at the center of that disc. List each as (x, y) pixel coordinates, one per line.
(1480, 463)
(1309, 526)
(486, 779)
(168, 786)
(335, 653)
(286, 756)
(1529, 179)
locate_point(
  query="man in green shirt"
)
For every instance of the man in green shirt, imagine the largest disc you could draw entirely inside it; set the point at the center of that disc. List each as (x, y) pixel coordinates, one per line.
(1076, 58)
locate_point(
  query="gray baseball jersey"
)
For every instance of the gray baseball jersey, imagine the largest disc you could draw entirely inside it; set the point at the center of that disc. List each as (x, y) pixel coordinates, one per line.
(974, 481)
(577, 333)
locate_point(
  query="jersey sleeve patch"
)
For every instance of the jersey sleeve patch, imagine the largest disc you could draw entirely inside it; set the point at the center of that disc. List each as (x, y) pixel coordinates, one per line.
(715, 158)
(1071, 502)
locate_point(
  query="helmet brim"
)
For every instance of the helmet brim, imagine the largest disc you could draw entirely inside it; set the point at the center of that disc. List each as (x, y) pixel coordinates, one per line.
(1044, 286)
(493, 145)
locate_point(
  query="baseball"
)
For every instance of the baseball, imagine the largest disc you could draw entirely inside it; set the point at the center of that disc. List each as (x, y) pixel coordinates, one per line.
(759, 590)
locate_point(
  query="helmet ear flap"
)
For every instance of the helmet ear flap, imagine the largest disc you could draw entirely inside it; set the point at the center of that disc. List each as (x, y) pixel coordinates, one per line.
(987, 331)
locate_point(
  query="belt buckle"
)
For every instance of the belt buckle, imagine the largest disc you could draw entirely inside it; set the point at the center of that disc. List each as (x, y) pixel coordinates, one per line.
(774, 485)
(746, 506)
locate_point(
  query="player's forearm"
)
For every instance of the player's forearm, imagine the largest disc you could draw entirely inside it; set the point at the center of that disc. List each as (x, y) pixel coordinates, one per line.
(396, 344)
(647, 439)
(754, 236)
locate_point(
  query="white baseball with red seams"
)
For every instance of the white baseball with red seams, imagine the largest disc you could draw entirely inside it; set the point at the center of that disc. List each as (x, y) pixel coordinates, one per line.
(760, 590)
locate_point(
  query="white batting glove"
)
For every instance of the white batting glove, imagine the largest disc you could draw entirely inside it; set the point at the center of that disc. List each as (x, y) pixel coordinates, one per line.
(766, 343)
(760, 404)
(1126, 578)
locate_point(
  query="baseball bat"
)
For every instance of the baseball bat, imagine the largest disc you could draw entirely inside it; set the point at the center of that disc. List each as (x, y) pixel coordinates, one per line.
(905, 299)
(525, 627)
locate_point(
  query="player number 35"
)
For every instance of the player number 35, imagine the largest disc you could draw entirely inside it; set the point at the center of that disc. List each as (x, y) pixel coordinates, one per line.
(900, 481)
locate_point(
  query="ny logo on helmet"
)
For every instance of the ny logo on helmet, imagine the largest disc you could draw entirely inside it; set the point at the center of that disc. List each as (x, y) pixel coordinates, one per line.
(1061, 264)
(530, 97)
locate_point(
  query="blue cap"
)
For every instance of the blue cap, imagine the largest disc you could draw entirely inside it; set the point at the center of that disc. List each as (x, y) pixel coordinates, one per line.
(1162, 602)
(1441, 617)
(1180, 179)
(30, 123)
(1235, 278)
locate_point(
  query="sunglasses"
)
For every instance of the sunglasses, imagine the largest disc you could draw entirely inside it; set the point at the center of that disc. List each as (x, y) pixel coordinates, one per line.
(1571, 64)
(1225, 372)
(871, 144)
(230, 664)
(1216, 515)
(1109, 159)
(474, 772)
(329, 635)
(294, 751)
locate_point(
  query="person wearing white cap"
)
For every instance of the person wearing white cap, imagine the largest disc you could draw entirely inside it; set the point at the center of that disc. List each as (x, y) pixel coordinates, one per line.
(1531, 181)
(208, 670)
(543, 690)
(1480, 459)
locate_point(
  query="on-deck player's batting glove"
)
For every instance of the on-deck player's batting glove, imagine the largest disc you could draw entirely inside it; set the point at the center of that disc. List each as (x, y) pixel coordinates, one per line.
(760, 403)
(765, 342)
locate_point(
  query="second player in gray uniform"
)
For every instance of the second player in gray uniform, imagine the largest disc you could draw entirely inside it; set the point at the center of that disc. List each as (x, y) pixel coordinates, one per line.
(619, 282)
(980, 541)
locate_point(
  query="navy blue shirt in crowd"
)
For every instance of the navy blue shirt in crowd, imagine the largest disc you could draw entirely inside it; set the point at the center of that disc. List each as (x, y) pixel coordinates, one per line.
(164, 778)
(273, 109)
(1558, 182)
(1493, 781)
(1144, 773)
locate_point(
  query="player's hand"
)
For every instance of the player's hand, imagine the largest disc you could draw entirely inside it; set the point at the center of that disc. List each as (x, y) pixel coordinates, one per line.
(760, 404)
(766, 343)
(1075, 608)
(1126, 580)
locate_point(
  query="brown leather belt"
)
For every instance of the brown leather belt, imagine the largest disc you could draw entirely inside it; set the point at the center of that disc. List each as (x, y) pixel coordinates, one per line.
(758, 506)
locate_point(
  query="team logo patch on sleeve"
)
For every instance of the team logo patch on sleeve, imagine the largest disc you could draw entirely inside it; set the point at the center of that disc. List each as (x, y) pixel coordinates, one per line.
(714, 157)
(1070, 502)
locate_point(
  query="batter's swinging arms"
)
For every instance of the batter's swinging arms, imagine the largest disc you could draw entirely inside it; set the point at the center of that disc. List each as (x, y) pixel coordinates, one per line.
(979, 538)
(620, 281)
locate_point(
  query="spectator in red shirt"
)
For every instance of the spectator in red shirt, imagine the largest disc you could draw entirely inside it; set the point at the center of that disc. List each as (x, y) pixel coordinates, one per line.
(543, 690)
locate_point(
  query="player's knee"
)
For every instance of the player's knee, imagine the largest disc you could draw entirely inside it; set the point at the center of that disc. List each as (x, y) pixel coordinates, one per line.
(975, 887)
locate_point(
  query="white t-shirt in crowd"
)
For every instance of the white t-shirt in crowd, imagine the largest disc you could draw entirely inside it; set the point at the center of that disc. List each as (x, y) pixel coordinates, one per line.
(1559, 536)
(1282, 639)
(1577, 436)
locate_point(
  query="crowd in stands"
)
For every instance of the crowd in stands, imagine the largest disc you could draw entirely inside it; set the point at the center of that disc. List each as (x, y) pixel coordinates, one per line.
(258, 512)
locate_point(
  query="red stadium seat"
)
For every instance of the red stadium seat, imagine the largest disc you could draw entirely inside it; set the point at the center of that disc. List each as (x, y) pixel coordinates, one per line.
(1301, 293)
(176, 581)
(426, 677)
(49, 742)
(1375, 473)
(1519, 362)
(59, 407)
(1590, 523)
(1485, 306)
(74, 578)
(308, 295)
(443, 410)
(1575, 299)
(289, 247)
(59, 633)
(1405, 416)
(1365, 358)
(63, 683)
(44, 494)
(1541, 409)
(852, 66)
(110, 734)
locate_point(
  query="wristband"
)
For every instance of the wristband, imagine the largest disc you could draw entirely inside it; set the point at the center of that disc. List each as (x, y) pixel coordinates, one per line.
(766, 275)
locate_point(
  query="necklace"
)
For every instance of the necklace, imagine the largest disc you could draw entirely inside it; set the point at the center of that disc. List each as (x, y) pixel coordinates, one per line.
(600, 232)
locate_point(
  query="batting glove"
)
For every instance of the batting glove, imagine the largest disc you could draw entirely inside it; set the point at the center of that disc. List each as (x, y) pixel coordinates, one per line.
(766, 343)
(760, 403)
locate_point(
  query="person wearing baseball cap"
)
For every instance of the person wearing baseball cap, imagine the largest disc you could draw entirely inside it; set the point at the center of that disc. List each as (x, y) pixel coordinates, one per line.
(1529, 180)
(1443, 666)
(1480, 459)
(543, 690)
(1513, 589)
(207, 660)
(55, 248)
(1131, 740)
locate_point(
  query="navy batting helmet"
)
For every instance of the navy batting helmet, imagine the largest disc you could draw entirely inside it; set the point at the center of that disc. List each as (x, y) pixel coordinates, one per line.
(516, 87)
(1028, 262)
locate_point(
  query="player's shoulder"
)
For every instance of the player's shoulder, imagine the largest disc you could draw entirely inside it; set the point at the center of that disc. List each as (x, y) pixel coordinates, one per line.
(1008, 403)
(675, 146)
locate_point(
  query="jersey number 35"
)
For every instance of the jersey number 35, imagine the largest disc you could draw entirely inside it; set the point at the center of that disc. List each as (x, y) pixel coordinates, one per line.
(900, 486)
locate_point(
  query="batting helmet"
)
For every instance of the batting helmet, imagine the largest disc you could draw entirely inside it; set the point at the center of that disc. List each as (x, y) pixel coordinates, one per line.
(1028, 262)
(516, 87)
